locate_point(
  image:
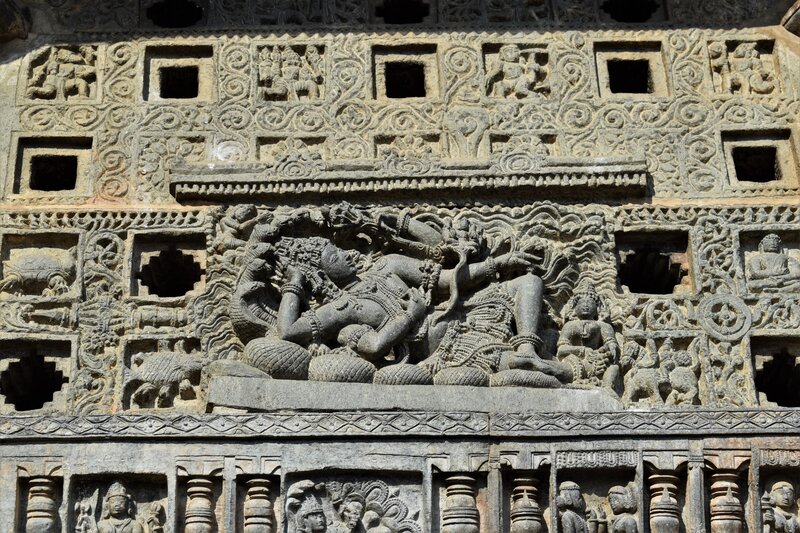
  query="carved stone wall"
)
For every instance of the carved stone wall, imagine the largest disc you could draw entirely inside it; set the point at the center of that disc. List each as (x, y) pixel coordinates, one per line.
(371, 266)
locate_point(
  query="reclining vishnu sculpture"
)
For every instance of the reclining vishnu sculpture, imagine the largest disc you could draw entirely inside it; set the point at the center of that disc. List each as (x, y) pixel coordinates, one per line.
(427, 301)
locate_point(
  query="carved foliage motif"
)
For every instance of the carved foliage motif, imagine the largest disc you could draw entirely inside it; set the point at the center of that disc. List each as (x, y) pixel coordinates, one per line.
(657, 365)
(325, 88)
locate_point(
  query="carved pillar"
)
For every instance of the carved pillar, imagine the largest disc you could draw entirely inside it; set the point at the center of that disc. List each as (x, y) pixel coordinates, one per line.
(199, 509)
(696, 495)
(257, 507)
(42, 510)
(526, 516)
(727, 515)
(664, 511)
(460, 513)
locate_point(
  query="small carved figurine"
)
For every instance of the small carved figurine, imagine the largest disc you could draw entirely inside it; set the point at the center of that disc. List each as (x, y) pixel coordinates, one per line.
(158, 378)
(772, 270)
(286, 75)
(658, 377)
(515, 74)
(304, 509)
(622, 501)
(571, 508)
(64, 73)
(588, 344)
(119, 512)
(779, 512)
(348, 515)
(748, 73)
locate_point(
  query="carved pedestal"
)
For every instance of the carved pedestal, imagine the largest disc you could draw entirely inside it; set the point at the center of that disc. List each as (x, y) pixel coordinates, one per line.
(460, 513)
(199, 510)
(664, 510)
(257, 507)
(727, 515)
(42, 510)
(526, 516)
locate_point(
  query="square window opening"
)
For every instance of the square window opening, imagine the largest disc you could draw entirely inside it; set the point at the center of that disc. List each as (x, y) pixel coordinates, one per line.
(629, 76)
(653, 263)
(777, 371)
(181, 82)
(756, 164)
(53, 172)
(405, 80)
(403, 11)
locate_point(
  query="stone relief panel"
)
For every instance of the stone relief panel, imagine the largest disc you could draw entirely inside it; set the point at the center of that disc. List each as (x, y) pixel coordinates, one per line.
(530, 296)
(136, 505)
(349, 505)
(291, 73)
(744, 67)
(527, 488)
(514, 71)
(661, 103)
(61, 74)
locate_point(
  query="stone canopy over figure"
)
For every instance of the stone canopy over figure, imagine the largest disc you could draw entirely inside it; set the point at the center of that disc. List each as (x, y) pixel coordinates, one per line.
(772, 269)
(443, 305)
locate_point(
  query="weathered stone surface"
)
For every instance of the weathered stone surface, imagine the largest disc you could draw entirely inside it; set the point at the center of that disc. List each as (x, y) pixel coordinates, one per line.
(382, 266)
(257, 394)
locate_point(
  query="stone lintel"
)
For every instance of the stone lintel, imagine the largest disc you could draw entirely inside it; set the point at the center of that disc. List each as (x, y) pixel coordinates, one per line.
(255, 394)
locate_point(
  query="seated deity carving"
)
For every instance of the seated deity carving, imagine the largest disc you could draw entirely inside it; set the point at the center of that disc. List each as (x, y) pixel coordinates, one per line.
(443, 305)
(588, 343)
(772, 269)
(120, 514)
(779, 509)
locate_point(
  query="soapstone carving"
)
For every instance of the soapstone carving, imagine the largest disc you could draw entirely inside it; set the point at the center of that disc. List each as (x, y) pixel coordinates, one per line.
(532, 155)
(663, 376)
(119, 514)
(588, 343)
(779, 509)
(347, 507)
(622, 501)
(158, 378)
(398, 309)
(772, 269)
(39, 271)
(517, 73)
(571, 508)
(740, 68)
(63, 73)
(289, 75)
(526, 515)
